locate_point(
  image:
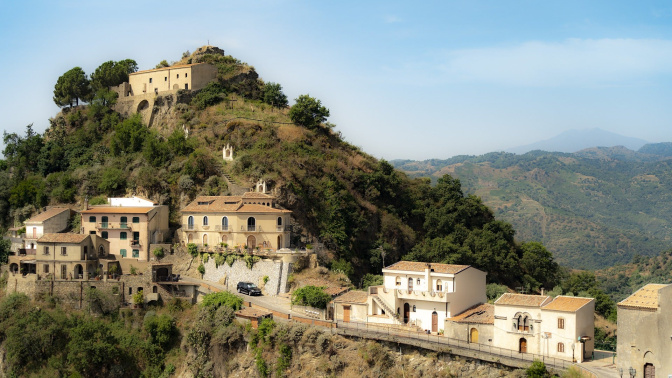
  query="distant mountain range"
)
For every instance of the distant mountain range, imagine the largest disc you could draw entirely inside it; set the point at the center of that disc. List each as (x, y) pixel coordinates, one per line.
(594, 208)
(576, 140)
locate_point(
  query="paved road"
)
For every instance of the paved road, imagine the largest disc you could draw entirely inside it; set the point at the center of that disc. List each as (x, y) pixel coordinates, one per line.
(603, 368)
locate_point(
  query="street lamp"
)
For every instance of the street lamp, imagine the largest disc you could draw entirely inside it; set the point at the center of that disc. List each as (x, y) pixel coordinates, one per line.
(633, 372)
(620, 371)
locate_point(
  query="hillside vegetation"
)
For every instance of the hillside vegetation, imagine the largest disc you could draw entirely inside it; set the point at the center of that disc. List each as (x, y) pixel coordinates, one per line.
(594, 208)
(357, 206)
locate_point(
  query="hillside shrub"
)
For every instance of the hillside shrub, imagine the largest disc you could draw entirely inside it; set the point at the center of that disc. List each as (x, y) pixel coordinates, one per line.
(159, 252)
(192, 249)
(537, 370)
(312, 296)
(224, 298)
(308, 112)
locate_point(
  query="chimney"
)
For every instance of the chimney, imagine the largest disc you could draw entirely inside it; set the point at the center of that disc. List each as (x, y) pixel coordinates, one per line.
(86, 203)
(542, 291)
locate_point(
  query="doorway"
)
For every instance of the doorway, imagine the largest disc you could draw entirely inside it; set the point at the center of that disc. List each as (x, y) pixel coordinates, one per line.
(649, 371)
(522, 345)
(473, 335)
(435, 322)
(407, 312)
(251, 243)
(346, 314)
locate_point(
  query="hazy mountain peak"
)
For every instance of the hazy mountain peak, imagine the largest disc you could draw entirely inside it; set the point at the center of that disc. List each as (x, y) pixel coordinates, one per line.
(576, 140)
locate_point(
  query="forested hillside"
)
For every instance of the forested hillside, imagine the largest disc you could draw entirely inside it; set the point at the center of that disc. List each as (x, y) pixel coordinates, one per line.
(594, 208)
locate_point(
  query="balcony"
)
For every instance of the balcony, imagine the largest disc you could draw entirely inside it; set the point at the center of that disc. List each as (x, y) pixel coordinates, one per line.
(280, 229)
(250, 228)
(113, 226)
(189, 227)
(25, 252)
(221, 228)
(135, 243)
(421, 295)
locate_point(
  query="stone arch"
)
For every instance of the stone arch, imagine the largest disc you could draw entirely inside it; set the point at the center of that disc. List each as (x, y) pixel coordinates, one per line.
(142, 106)
(101, 251)
(251, 242)
(473, 335)
(79, 271)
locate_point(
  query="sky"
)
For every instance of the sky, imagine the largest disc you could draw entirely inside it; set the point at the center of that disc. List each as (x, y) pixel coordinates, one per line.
(402, 80)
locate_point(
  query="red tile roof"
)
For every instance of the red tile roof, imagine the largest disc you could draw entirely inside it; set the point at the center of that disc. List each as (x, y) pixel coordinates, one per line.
(414, 266)
(47, 214)
(482, 314)
(645, 298)
(222, 204)
(62, 238)
(354, 296)
(523, 300)
(567, 304)
(165, 68)
(118, 210)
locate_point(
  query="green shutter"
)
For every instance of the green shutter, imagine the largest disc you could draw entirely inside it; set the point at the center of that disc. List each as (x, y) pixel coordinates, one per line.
(122, 236)
(136, 219)
(123, 253)
(136, 253)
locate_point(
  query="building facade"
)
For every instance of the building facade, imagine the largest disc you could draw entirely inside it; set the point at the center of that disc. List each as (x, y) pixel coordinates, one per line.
(644, 343)
(131, 225)
(425, 294)
(186, 76)
(251, 220)
(53, 220)
(561, 327)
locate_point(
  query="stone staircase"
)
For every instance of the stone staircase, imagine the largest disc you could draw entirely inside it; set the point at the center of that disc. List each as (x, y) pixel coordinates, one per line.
(235, 188)
(388, 310)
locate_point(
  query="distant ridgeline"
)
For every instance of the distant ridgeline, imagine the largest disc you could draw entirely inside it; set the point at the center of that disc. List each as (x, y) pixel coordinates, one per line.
(593, 208)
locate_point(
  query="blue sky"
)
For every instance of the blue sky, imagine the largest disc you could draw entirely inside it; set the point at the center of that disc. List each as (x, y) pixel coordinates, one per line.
(412, 80)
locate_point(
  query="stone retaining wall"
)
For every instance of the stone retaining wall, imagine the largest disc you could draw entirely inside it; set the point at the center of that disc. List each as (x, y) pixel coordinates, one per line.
(276, 270)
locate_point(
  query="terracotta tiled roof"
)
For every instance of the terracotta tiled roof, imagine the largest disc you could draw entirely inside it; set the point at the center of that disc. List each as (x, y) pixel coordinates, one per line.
(219, 204)
(62, 238)
(256, 195)
(414, 266)
(165, 68)
(482, 314)
(646, 297)
(523, 300)
(118, 210)
(334, 291)
(47, 214)
(354, 296)
(567, 304)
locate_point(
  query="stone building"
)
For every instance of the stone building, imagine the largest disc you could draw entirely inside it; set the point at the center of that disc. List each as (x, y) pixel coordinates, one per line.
(562, 328)
(187, 76)
(131, 225)
(644, 342)
(475, 325)
(251, 220)
(351, 307)
(425, 294)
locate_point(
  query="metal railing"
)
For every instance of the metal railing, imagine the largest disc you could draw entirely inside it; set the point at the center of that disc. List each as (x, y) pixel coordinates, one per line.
(219, 227)
(113, 226)
(383, 332)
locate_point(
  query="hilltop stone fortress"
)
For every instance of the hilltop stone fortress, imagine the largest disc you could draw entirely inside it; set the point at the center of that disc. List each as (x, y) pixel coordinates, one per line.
(148, 90)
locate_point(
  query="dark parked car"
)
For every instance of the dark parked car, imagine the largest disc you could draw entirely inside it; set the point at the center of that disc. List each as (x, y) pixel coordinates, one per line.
(248, 288)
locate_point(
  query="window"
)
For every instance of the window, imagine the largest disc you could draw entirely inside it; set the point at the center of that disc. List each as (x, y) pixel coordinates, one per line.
(205, 221)
(225, 223)
(561, 348)
(185, 74)
(410, 283)
(122, 252)
(86, 250)
(417, 282)
(251, 224)
(104, 220)
(439, 285)
(186, 86)
(178, 76)
(130, 290)
(92, 232)
(136, 219)
(561, 323)
(123, 222)
(413, 308)
(46, 250)
(398, 281)
(123, 236)
(45, 268)
(165, 78)
(104, 235)
(190, 223)
(64, 251)
(136, 253)
(279, 221)
(150, 80)
(92, 219)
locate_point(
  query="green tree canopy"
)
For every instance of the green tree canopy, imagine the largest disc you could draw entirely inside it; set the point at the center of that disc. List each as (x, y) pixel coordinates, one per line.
(112, 73)
(71, 87)
(273, 95)
(308, 112)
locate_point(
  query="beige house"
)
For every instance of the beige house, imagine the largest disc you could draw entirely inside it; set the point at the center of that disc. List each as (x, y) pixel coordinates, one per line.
(251, 220)
(63, 256)
(561, 328)
(645, 332)
(351, 307)
(186, 76)
(51, 221)
(131, 225)
(475, 325)
(425, 294)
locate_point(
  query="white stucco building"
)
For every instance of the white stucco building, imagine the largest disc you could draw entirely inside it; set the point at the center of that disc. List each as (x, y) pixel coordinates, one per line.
(561, 327)
(425, 294)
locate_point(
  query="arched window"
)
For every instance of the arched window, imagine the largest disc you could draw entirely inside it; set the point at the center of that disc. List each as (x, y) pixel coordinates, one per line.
(439, 285)
(190, 222)
(279, 221)
(397, 281)
(417, 282)
(205, 221)
(410, 284)
(101, 251)
(251, 224)
(561, 348)
(225, 223)
(561, 323)
(205, 239)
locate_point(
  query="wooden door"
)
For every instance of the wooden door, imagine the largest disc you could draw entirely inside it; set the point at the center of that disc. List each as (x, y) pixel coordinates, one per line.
(523, 346)
(407, 312)
(435, 322)
(346, 314)
(251, 243)
(649, 371)
(474, 335)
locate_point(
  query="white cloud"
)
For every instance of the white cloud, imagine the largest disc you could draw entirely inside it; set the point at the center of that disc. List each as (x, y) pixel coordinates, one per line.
(573, 62)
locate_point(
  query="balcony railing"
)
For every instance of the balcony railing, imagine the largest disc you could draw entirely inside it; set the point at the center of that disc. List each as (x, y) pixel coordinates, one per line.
(114, 226)
(280, 228)
(189, 227)
(250, 228)
(135, 243)
(222, 228)
(24, 251)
